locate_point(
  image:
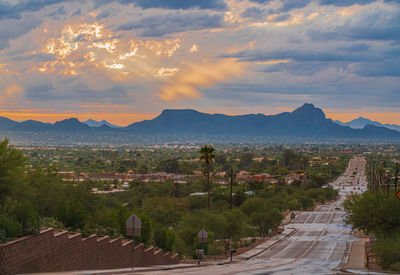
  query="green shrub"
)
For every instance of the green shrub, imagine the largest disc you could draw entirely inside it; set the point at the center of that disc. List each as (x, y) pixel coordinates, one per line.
(388, 252)
(9, 227)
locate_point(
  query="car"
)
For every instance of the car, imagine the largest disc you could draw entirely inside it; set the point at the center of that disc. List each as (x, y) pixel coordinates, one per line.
(337, 208)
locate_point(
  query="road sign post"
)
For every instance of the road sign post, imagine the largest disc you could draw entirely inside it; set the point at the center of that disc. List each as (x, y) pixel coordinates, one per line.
(133, 228)
(292, 217)
(203, 238)
(232, 251)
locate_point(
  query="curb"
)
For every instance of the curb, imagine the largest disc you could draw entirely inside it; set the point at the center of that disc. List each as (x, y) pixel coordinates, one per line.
(263, 250)
(275, 243)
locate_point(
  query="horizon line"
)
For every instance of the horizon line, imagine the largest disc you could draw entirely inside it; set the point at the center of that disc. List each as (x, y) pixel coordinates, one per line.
(125, 119)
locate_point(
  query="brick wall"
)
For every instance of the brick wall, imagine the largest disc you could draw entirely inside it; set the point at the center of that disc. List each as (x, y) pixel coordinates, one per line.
(65, 251)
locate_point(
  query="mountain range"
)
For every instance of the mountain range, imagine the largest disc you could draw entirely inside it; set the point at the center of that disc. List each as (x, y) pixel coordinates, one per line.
(360, 123)
(94, 123)
(305, 124)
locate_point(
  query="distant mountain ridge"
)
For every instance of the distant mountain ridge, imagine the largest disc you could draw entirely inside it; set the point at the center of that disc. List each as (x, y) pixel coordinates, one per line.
(360, 123)
(94, 123)
(306, 123)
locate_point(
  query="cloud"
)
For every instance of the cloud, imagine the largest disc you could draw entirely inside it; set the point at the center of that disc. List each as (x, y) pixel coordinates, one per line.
(167, 71)
(387, 68)
(281, 17)
(77, 12)
(150, 53)
(179, 4)
(56, 14)
(173, 22)
(194, 48)
(20, 27)
(302, 55)
(187, 82)
(375, 22)
(10, 95)
(253, 12)
(11, 10)
(345, 3)
(285, 5)
(79, 49)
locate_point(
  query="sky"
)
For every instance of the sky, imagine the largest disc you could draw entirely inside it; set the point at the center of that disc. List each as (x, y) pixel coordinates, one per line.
(125, 61)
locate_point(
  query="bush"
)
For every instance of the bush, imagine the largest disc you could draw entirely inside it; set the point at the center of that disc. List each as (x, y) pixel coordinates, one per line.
(51, 222)
(9, 228)
(216, 250)
(387, 252)
(164, 238)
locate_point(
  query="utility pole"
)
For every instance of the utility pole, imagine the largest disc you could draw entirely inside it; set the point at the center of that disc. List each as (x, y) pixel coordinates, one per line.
(396, 176)
(230, 208)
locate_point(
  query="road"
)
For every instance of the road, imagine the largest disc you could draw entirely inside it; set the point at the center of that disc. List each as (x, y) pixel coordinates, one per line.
(320, 244)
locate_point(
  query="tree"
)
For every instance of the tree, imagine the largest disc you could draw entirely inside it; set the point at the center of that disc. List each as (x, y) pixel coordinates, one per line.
(373, 213)
(12, 163)
(207, 154)
(266, 219)
(147, 229)
(169, 165)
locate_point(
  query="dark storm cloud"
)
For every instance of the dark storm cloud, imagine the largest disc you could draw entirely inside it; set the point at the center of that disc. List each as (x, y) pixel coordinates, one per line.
(356, 47)
(159, 25)
(35, 57)
(359, 58)
(296, 68)
(20, 27)
(181, 4)
(253, 12)
(372, 25)
(103, 14)
(287, 5)
(282, 17)
(57, 13)
(172, 4)
(74, 90)
(389, 68)
(345, 3)
(8, 10)
(308, 55)
(77, 12)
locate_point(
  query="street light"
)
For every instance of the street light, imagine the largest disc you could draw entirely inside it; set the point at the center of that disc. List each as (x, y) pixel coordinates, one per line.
(133, 228)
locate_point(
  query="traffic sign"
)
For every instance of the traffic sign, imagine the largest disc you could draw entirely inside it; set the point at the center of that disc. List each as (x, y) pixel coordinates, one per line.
(200, 251)
(133, 226)
(397, 194)
(203, 236)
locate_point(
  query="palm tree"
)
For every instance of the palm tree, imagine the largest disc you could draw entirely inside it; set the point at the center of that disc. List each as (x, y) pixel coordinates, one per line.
(207, 154)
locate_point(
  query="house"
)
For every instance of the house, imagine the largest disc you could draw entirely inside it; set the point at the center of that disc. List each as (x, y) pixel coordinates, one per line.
(109, 177)
(260, 177)
(292, 177)
(243, 174)
(67, 176)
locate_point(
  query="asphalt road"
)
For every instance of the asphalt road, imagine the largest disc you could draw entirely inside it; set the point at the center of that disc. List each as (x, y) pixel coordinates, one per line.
(319, 245)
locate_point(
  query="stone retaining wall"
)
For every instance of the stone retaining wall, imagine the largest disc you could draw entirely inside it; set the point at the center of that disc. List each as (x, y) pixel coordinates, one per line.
(65, 251)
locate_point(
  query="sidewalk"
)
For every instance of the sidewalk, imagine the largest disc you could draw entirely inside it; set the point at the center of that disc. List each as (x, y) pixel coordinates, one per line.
(356, 259)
